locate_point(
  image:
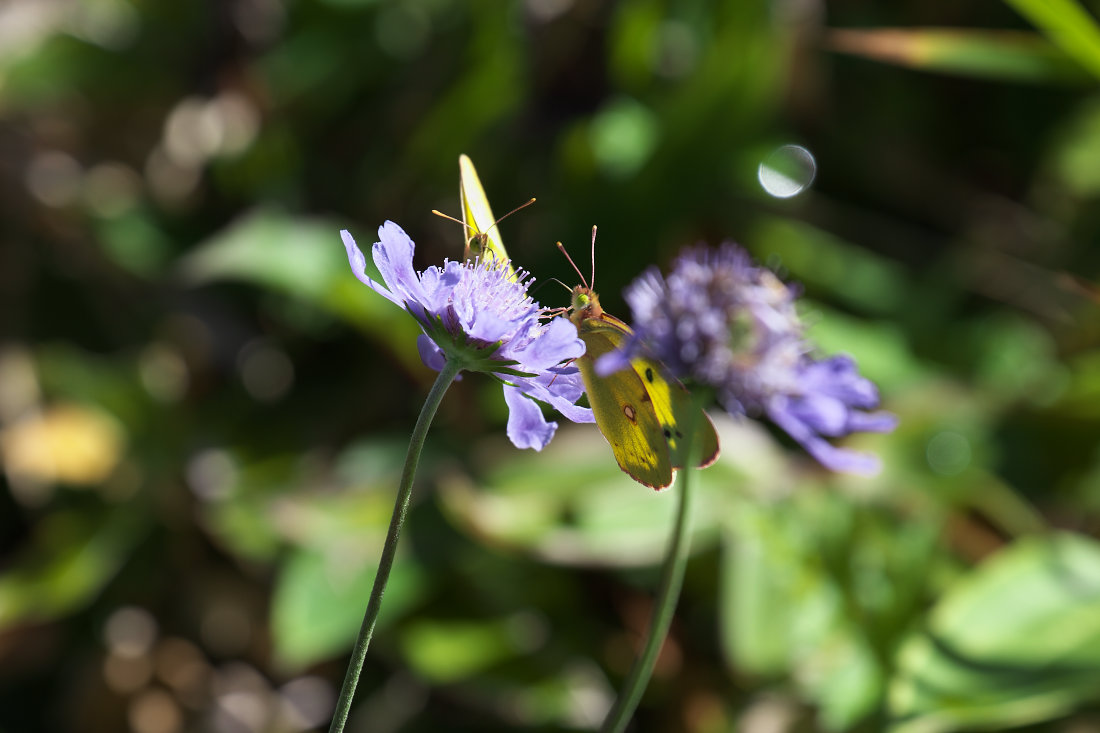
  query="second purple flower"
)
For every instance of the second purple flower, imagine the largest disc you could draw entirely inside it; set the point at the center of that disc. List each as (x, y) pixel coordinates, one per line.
(723, 322)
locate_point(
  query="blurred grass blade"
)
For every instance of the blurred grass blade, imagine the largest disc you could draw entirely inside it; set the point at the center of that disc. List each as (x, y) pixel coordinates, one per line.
(1006, 55)
(1068, 25)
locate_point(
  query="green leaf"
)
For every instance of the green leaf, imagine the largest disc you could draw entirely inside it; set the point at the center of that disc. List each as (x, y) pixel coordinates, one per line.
(781, 612)
(320, 595)
(304, 258)
(1068, 25)
(448, 651)
(1075, 159)
(989, 54)
(571, 503)
(756, 613)
(860, 278)
(326, 544)
(1015, 642)
(72, 556)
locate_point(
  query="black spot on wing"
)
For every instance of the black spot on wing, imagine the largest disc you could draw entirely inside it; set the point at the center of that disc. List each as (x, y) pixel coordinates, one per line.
(649, 374)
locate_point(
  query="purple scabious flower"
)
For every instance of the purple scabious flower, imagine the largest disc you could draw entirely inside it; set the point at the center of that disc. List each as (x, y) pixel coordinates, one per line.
(723, 322)
(482, 316)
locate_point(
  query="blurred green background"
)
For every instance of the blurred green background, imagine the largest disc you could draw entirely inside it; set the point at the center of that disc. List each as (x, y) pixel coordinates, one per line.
(203, 413)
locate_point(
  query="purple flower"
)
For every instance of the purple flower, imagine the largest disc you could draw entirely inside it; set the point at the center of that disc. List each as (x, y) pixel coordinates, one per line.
(480, 315)
(721, 321)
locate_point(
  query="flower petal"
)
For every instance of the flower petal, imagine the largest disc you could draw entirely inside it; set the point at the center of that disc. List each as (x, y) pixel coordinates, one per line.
(359, 267)
(873, 422)
(393, 256)
(558, 342)
(527, 428)
(830, 456)
(839, 377)
(430, 353)
(560, 392)
(488, 327)
(823, 414)
(438, 285)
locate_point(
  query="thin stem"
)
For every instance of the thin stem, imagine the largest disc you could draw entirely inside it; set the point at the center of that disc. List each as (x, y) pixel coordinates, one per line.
(1008, 509)
(400, 508)
(668, 593)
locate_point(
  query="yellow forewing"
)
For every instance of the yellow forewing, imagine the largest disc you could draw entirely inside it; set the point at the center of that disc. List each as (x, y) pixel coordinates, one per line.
(624, 413)
(643, 412)
(482, 235)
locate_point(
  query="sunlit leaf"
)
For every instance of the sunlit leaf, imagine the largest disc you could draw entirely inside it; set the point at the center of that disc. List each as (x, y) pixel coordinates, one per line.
(321, 593)
(1015, 642)
(448, 651)
(781, 612)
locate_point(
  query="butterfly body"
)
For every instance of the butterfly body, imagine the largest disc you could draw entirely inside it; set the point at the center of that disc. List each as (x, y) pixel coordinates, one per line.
(643, 412)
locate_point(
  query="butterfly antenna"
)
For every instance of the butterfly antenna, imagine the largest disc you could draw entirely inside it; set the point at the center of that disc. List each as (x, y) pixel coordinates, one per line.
(524, 205)
(559, 282)
(593, 256)
(537, 287)
(574, 264)
(451, 218)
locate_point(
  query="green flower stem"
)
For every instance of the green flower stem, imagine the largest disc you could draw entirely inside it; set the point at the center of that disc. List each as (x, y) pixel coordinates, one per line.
(668, 593)
(1006, 508)
(400, 509)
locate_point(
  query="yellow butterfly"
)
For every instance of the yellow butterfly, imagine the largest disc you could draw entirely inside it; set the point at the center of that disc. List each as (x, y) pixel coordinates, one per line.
(483, 236)
(641, 411)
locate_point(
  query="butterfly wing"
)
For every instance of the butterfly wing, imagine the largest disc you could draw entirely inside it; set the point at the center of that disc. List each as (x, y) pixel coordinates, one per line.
(671, 401)
(673, 406)
(483, 236)
(624, 411)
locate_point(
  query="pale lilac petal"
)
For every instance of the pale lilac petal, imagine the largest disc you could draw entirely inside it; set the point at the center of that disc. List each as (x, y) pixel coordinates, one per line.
(488, 327)
(558, 342)
(571, 412)
(871, 422)
(834, 458)
(839, 376)
(564, 381)
(824, 415)
(393, 256)
(527, 428)
(359, 267)
(438, 285)
(430, 353)
(559, 393)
